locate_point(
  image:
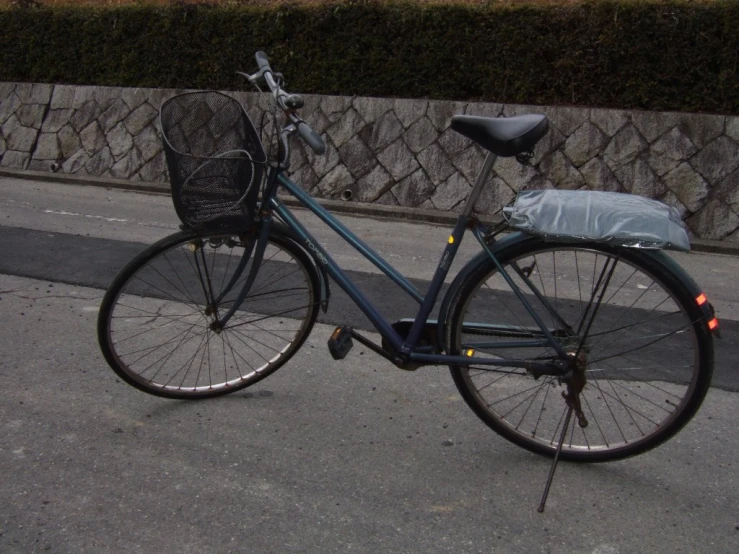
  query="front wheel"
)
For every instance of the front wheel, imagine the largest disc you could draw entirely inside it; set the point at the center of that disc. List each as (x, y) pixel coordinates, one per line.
(642, 342)
(158, 325)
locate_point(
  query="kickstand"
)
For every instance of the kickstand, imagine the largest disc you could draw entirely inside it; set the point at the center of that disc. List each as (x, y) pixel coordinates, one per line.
(556, 459)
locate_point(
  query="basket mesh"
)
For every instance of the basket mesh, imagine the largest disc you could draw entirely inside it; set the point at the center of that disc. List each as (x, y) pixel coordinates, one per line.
(215, 159)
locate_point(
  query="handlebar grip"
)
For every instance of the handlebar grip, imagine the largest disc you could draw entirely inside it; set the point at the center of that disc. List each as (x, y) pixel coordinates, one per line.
(262, 60)
(311, 138)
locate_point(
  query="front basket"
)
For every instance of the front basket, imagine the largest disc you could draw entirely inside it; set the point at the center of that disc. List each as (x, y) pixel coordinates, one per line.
(215, 159)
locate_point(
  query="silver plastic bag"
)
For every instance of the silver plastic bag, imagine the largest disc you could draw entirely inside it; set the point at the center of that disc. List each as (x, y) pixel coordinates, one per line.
(611, 217)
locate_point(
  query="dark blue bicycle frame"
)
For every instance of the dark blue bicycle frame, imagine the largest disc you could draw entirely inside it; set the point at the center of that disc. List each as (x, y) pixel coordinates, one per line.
(405, 347)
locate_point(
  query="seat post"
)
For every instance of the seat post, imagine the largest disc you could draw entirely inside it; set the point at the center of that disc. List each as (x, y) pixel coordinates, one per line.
(482, 179)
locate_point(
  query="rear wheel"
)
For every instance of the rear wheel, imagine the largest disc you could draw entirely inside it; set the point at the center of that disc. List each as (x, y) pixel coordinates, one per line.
(158, 323)
(646, 353)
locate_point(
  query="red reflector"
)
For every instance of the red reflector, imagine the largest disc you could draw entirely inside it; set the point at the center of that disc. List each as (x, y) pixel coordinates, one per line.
(701, 299)
(713, 324)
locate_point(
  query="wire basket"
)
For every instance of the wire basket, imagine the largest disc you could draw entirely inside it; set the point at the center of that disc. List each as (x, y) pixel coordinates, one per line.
(215, 159)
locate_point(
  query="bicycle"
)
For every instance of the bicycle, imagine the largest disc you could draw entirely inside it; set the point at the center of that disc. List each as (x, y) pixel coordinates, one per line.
(603, 328)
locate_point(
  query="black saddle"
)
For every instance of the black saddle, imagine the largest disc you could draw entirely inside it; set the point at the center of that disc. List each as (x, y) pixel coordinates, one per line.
(503, 136)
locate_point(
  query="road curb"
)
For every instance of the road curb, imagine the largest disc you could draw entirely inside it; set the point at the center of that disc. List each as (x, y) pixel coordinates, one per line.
(397, 213)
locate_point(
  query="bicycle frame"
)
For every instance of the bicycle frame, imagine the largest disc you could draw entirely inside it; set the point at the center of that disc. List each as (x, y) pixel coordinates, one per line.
(405, 347)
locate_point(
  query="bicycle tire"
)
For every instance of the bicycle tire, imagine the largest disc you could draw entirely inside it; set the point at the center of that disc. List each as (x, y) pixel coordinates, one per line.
(641, 388)
(161, 296)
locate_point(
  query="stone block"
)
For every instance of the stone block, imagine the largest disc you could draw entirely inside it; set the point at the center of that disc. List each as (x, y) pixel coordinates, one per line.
(561, 172)
(325, 163)
(69, 141)
(414, 189)
(453, 143)
(717, 159)
(56, 119)
(484, 109)
(149, 143)
(409, 111)
(494, 197)
(671, 200)
(82, 95)
(317, 121)
(8, 106)
(63, 97)
(701, 128)
(3, 145)
(20, 139)
(100, 163)
(119, 141)
(335, 182)
(469, 162)
(388, 199)
(92, 138)
(639, 178)
(510, 110)
(106, 96)
(47, 147)
(585, 143)
(689, 187)
(420, 135)
(304, 177)
(6, 89)
(382, 132)
(84, 115)
(440, 113)
(714, 221)
(436, 163)
(74, 162)
(566, 119)
(39, 165)
(357, 157)
(23, 90)
(128, 166)
(348, 125)
(373, 185)
(370, 109)
(547, 144)
(609, 121)
(334, 106)
(31, 115)
(451, 192)
(732, 127)
(15, 160)
(598, 176)
(139, 118)
(135, 97)
(653, 125)
(154, 170)
(516, 175)
(113, 115)
(40, 94)
(398, 160)
(669, 151)
(624, 147)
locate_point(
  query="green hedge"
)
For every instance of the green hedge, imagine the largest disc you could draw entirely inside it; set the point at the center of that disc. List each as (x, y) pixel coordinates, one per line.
(629, 54)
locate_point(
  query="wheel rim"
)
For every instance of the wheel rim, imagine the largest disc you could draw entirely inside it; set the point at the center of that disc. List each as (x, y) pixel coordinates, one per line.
(641, 368)
(161, 328)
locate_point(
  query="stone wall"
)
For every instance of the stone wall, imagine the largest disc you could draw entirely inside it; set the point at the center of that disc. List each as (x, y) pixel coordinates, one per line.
(401, 152)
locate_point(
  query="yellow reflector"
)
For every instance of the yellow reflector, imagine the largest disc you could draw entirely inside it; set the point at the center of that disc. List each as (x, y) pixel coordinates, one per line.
(701, 299)
(451, 239)
(470, 353)
(713, 324)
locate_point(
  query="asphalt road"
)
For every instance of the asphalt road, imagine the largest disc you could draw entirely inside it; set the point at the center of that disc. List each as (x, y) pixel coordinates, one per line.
(323, 456)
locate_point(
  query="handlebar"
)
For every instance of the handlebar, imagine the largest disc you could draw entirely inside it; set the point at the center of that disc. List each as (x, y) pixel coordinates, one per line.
(288, 103)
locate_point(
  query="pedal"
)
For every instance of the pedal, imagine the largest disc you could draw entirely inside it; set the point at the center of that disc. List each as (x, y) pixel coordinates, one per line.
(340, 342)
